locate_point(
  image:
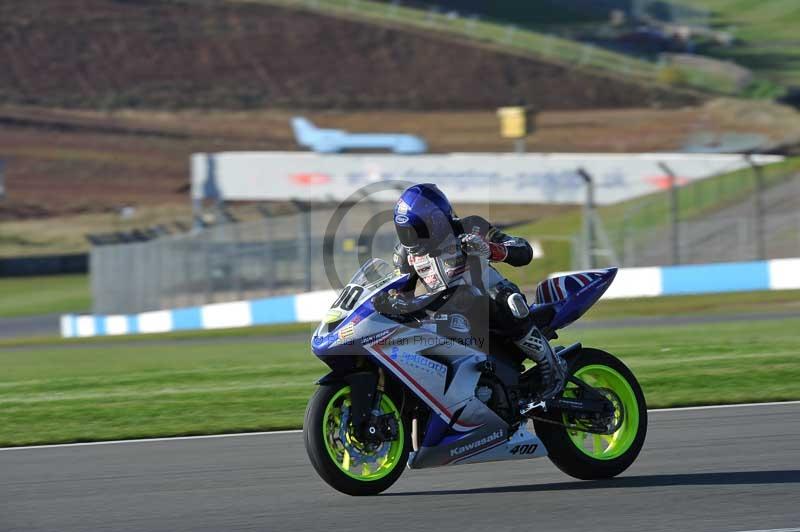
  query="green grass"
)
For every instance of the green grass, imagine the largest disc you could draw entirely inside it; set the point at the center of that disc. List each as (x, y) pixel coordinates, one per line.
(767, 35)
(708, 364)
(101, 392)
(188, 337)
(126, 390)
(31, 296)
(764, 302)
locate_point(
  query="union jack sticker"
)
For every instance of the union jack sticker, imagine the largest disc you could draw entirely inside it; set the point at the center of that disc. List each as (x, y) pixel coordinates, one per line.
(560, 288)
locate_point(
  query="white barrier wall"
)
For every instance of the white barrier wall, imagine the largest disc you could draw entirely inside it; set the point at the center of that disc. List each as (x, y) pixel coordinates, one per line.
(473, 177)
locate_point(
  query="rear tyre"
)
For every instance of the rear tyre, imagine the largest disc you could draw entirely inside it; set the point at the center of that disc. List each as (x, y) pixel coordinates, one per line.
(589, 456)
(345, 463)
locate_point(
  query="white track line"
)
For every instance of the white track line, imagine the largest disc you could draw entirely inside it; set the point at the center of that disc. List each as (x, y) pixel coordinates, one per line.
(714, 407)
(297, 431)
(150, 440)
(775, 530)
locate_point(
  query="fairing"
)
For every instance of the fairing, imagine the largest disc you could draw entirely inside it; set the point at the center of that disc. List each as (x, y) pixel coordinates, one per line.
(461, 428)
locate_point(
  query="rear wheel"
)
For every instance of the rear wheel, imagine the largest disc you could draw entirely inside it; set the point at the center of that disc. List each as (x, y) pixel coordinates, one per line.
(345, 463)
(577, 448)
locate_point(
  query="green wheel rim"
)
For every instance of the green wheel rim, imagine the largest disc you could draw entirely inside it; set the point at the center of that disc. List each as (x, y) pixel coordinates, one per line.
(347, 452)
(607, 446)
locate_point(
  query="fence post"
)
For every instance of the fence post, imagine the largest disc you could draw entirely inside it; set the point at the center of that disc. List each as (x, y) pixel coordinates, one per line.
(673, 213)
(304, 237)
(588, 220)
(235, 266)
(209, 284)
(626, 238)
(758, 207)
(743, 237)
(269, 259)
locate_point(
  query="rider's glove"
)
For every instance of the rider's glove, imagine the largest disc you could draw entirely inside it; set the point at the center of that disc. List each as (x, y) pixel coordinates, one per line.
(475, 246)
(386, 303)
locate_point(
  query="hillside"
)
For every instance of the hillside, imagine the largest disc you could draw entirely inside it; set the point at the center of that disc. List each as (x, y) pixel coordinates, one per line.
(226, 55)
(767, 35)
(765, 32)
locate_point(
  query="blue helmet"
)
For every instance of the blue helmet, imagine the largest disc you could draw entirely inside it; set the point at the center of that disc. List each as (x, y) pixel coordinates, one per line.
(423, 218)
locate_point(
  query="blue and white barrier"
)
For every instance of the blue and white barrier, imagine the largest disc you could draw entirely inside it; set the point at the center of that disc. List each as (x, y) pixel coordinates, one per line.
(780, 274)
(308, 307)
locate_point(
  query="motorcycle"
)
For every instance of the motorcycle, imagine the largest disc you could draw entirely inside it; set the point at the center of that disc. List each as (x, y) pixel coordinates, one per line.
(416, 390)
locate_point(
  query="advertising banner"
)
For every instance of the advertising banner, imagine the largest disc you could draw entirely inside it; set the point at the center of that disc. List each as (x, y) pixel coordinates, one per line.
(465, 178)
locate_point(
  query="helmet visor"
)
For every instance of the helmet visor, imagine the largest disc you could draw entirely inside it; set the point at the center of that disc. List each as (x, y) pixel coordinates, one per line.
(413, 236)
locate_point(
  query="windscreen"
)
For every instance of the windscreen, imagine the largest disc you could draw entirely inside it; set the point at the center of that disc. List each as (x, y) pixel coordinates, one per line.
(371, 276)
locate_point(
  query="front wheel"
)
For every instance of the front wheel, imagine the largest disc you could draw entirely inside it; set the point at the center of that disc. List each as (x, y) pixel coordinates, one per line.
(585, 454)
(345, 463)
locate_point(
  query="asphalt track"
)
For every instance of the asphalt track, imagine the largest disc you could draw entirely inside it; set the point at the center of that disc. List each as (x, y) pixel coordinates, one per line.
(29, 326)
(717, 470)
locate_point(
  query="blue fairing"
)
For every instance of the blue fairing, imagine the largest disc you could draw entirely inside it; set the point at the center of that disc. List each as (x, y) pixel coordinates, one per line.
(435, 432)
(570, 296)
(322, 345)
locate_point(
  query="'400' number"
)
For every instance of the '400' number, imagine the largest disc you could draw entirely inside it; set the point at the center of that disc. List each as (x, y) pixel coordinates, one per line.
(524, 449)
(348, 298)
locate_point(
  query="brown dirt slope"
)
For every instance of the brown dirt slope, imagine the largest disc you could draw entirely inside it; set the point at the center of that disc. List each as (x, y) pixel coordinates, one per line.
(210, 54)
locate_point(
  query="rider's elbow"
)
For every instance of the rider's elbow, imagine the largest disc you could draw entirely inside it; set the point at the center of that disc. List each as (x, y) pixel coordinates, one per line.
(520, 255)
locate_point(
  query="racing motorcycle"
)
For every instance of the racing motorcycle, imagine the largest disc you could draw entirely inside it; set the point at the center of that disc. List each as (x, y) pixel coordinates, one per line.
(419, 391)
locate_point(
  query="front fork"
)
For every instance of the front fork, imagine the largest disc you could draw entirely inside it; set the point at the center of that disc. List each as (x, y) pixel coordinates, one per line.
(366, 389)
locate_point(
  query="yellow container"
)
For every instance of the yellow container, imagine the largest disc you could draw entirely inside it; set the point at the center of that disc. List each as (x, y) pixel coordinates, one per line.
(515, 122)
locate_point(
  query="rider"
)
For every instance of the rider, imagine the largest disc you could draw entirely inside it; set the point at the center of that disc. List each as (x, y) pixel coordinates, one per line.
(440, 250)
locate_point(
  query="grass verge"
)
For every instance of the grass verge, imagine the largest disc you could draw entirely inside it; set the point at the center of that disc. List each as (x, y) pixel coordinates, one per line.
(31, 296)
(102, 392)
(765, 32)
(763, 302)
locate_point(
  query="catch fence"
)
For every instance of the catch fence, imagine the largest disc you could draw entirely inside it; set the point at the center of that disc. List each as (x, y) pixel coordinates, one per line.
(276, 255)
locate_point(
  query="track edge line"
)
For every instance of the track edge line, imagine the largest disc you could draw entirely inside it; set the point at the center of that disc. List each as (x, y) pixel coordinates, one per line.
(297, 431)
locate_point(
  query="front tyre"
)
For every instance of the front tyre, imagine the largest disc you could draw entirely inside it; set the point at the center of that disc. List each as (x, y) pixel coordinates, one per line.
(586, 455)
(345, 463)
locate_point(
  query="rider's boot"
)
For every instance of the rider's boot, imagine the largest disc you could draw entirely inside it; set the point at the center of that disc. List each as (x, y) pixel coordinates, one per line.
(537, 348)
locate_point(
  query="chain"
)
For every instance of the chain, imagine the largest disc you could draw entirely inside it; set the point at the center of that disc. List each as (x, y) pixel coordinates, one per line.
(567, 426)
(550, 421)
